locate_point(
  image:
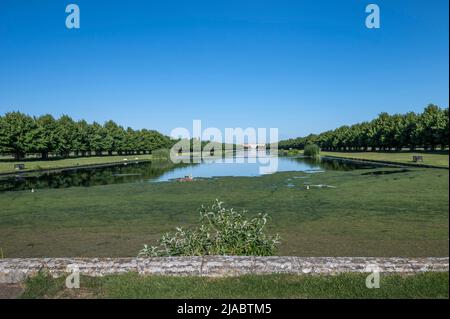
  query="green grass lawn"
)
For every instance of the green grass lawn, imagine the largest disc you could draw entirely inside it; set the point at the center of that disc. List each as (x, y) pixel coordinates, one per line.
(369, 213)
(7, 164)
(425, 285)
(429, 158)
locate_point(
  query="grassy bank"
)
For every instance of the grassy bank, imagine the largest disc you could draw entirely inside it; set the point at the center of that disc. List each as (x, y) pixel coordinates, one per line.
(426, 285)
(374, 212)
(429, 158)
(7, 164)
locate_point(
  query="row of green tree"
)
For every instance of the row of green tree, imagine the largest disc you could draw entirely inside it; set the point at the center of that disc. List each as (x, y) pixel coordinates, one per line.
(21, 134)
(428, 130)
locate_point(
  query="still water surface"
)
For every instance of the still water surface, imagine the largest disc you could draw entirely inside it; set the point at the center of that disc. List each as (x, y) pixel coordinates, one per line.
(157, 171)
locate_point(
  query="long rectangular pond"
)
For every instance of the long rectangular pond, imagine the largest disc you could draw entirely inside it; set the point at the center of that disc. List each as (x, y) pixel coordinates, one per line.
(163, 171)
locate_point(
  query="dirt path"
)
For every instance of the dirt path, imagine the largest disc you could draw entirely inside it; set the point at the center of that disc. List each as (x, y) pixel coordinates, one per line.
(10, 291)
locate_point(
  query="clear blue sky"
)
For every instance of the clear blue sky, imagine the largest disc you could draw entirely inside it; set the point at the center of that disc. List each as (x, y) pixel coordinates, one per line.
(301, 66)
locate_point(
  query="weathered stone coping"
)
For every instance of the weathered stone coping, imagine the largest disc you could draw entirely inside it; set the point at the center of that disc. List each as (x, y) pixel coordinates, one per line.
(14, 270)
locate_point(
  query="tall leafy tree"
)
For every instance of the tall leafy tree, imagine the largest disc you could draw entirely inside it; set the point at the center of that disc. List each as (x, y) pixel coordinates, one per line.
(66, 132)
(443, 129)
(96, 138)
(112, 137)
(82, 143)
(432, 124)
(17, 134)
(47, 139)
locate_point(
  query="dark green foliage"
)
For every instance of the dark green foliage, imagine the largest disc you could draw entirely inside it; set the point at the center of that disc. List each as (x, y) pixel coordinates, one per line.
(21, 134)
(312, 150)
(387, 132)
(46, 135)
(18, 134)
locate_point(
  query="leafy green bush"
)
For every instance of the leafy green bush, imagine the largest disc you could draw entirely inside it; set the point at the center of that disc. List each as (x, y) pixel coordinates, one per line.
(222, 231)
(291, 152)
(312, 150)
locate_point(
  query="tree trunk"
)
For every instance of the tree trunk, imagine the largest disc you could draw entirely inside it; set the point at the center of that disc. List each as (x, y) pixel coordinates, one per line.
(18, 156)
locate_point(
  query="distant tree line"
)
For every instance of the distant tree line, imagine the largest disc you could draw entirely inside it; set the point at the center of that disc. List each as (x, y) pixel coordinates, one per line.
(427, 130)
(21, 134)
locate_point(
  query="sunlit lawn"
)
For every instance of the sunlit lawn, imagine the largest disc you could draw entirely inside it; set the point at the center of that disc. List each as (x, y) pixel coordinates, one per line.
(7, 164)
(435, 159)
(426, 285)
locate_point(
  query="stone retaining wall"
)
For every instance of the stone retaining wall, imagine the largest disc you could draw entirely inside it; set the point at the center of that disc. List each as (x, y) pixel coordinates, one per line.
(18, 269)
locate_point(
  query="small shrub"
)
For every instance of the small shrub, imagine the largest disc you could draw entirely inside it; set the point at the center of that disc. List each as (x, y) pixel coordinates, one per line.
(312, 150)
(293, 152)
(222, 231)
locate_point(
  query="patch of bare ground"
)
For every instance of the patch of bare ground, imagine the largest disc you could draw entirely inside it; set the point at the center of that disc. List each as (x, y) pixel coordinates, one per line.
(10, 291)
(81, 293)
